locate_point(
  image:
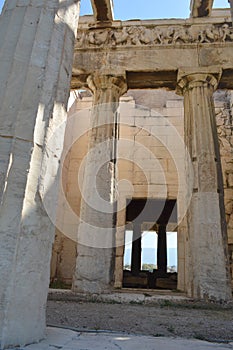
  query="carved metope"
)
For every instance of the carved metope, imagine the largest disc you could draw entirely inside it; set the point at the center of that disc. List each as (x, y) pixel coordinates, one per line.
(154, 35)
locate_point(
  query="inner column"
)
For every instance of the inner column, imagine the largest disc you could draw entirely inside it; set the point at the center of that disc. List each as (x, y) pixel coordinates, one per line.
(136, 250)
(96, 232)
(207, 261)
(162, 249)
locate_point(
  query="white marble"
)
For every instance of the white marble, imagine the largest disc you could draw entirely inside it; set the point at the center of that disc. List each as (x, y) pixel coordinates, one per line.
(36, 50)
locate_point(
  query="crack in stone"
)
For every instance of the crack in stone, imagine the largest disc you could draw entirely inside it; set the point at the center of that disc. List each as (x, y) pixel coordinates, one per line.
(117, 346)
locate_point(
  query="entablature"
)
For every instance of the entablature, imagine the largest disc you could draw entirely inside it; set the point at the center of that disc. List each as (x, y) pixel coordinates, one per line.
(151, 52)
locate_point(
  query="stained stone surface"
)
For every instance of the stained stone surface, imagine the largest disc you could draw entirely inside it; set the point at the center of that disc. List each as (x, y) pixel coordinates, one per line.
(66, 339)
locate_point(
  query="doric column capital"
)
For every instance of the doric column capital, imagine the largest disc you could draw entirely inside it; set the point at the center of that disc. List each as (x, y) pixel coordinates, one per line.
(190, 78)
(115, 83)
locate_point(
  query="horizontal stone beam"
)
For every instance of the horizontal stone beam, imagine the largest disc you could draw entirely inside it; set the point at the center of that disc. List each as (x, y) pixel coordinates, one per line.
(150, 54)
(103, 10)
(201, 8)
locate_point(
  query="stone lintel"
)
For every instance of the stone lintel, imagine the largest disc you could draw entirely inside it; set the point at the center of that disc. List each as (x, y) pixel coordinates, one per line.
(103, 10)
(201, 8)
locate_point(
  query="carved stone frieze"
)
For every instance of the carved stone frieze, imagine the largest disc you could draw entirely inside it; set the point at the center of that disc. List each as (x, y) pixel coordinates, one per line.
(153, 35)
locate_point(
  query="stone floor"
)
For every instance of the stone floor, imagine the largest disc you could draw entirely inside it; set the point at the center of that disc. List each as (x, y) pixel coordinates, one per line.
(66, 339)
(126, 295)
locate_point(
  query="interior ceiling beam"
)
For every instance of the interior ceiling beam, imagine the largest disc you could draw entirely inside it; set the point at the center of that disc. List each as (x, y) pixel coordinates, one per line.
(201, 8)
(103, 10)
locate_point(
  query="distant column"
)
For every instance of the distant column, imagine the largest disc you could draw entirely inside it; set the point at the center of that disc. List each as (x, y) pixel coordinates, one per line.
(162, 248)
(96, 232)
(136, 257)
(207, 262)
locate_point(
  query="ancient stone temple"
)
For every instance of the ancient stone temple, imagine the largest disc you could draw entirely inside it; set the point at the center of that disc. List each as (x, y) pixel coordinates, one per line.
(128, 158)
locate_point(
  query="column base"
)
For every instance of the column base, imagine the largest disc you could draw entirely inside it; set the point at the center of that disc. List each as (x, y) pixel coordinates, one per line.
(91, 287)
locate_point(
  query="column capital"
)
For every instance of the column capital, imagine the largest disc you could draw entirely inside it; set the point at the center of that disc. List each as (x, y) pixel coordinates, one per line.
(97, 82)
(189, 78)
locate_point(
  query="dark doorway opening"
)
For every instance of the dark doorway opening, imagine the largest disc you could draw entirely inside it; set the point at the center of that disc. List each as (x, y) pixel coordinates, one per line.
(146, 251)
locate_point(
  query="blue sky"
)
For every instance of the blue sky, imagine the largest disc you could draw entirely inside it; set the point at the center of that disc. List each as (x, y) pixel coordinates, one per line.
(148, 9)
(132, 9)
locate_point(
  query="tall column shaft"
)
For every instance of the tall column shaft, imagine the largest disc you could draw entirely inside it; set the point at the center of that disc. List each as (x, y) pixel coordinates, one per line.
(96, 233)
(36, 52)
(208, 274)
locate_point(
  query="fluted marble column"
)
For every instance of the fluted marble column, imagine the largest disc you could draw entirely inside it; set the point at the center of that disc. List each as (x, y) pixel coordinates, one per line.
(96, 233)
(36, 52)
(206, 263)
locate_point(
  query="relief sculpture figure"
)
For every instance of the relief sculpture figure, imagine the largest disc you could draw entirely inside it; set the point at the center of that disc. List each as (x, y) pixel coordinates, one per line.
(120, 37)
(98, 38)
(146, 36)
(208, 35)
(225, 32)
(181, 34)
(134, 35)
(157, 35)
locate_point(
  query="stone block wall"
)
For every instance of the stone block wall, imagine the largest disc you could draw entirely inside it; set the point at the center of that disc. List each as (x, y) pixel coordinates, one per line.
(149, 137)
(75, 149)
